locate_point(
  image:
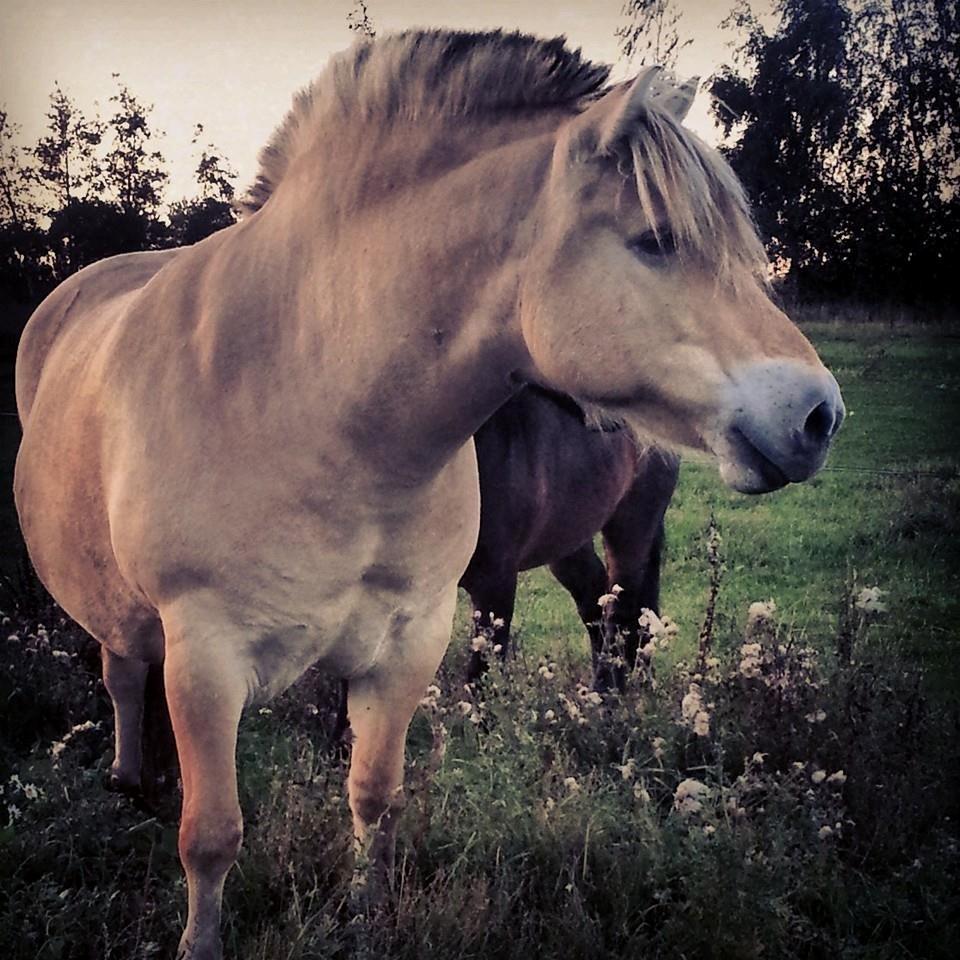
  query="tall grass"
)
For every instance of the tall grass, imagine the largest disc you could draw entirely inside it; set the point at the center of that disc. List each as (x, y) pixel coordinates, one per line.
(785, 786)
(761, 798)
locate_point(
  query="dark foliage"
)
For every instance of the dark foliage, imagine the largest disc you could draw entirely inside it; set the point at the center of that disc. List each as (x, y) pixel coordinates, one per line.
(843, 124)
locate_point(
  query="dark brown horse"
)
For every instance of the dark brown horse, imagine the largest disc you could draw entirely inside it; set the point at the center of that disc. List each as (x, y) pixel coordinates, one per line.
(548, 484)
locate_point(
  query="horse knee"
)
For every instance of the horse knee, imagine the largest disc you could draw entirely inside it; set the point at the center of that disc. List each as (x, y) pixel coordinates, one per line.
(372, 799)
(210, 848)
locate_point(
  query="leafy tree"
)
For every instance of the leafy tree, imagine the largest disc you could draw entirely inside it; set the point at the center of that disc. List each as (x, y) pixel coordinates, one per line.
(843, 122)
(192, 220)
(23, 246)
(67, 162)
(786, 103)
(92, 229)
(651, 31)
(905, 149)
(358, 20)
(133, 172)
(17, 204)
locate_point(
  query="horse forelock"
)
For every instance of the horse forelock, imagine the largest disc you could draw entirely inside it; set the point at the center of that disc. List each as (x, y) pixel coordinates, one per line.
(419, 74)
(688, 190)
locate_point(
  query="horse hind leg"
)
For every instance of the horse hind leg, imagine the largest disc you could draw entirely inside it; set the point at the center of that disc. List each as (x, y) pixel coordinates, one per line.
(125, 679)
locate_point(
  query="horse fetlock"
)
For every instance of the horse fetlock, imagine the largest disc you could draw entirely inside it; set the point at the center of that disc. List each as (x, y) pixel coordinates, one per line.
(194, 946)
(122, 780)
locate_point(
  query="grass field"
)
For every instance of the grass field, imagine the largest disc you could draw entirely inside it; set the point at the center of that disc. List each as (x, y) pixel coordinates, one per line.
(810, 812)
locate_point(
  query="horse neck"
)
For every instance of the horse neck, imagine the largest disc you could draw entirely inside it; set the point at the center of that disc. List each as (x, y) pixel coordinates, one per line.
(412, 287)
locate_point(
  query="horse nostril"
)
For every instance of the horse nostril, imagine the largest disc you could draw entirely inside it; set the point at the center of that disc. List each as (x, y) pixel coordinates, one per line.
(821, 422)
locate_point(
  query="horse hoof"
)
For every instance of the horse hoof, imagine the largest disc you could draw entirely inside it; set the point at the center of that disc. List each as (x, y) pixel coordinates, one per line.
(117, 783)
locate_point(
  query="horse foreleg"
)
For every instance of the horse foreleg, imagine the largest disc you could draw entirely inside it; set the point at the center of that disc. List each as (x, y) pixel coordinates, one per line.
(125, 680)
(205, 693)
(493, 594)
(633, 540)
(381, 704)
(584, 576)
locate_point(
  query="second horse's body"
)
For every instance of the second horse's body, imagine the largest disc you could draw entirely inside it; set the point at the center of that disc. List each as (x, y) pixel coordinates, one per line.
(548, 484)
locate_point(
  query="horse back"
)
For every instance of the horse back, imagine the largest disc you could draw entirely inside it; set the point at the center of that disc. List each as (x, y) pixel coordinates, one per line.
(82, 298)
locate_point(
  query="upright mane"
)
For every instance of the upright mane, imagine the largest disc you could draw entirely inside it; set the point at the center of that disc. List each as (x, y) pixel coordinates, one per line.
(684, 186)
(415, 74)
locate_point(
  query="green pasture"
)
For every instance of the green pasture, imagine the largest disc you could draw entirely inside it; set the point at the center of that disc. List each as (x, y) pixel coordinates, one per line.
(544, 822)
(885, 512)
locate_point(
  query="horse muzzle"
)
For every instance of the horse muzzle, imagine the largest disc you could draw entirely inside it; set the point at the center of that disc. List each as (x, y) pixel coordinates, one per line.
(779, 420)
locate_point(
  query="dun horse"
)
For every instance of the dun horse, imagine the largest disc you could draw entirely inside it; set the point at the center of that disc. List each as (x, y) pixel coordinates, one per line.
(548, 483)
(254, 454)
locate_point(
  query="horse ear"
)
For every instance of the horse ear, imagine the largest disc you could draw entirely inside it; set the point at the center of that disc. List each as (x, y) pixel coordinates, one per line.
(615, 114)
(675, 100)
(618, 112)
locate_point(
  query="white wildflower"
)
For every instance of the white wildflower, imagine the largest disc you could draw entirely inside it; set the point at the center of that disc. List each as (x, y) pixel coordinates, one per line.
(750, 654)
(692, 703)
(694, 712)
(616, 589)
(573, 711)
(60, 654)
(658, 743)
(868, 600)
(825, 831)
(465, 707)
(818, 716)
(30, 791)
(709, 829)
(701, 724)
(572, 784)
(478, 644)
(760, 614)
(431, 697)
(550, 716)
(58, 746)
(606, 598)
(839, 778)
(640, 792)
(818, 776)
(660, 630)
(758, 758)
(545, 671)
(628, 769)
(265, 711)
(498, 623)
(688, 795)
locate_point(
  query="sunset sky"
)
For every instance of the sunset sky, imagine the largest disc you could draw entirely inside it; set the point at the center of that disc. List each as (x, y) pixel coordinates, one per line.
(233, 66)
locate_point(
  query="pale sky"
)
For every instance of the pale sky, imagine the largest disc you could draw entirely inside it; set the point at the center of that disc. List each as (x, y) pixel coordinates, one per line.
(234, 66)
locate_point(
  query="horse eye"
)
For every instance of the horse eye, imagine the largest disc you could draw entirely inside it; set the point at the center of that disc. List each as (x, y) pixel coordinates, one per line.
(650, 244)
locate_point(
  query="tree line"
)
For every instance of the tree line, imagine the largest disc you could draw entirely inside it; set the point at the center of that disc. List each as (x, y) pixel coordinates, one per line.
(844, 124)
(90, 188)
(841, 119)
